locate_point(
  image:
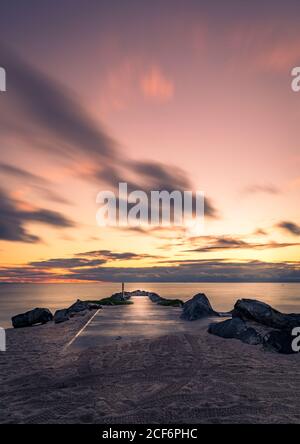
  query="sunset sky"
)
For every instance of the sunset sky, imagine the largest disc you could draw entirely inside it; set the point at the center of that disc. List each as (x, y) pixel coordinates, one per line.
(188, 95)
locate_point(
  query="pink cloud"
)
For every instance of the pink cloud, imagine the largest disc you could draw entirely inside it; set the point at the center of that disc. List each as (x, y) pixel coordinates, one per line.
(131, 80)
(155, 85)
(264, 47)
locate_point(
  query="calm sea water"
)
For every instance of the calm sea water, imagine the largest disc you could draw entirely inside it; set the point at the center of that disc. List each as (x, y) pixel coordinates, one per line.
(17, 298)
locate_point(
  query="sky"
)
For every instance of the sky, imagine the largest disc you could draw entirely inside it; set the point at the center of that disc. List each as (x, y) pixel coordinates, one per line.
(184, 95)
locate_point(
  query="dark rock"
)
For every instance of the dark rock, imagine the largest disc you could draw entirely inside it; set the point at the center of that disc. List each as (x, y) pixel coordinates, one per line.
(231, 328)
(170, 302)
(154, 297)
(139, 293)
(250, 309)
(76, 314)
(235, 329)
(198, 307)
(79, 306)
(251, 336)
(94, 306)
(279, 341)
(32, 317)
(127, 295)
(120, 297)
(61, 316)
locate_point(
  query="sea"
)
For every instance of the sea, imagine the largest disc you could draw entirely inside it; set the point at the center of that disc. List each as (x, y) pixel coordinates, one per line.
(19, 298)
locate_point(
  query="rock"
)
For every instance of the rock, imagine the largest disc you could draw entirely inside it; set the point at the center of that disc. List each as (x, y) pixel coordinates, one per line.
(120, 297)
(251, 336)
(139, 293)
(279, 341)
(79, 306)
(170, 302)
(198, 307)
(262, 313)
(32, 317)
(231, 328)
(78, 313)
(61, 316)
(235, 329)
(154, 297)
(94, 306)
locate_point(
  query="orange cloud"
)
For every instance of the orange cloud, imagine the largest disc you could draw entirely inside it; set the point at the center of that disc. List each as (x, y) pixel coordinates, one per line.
(156, 86)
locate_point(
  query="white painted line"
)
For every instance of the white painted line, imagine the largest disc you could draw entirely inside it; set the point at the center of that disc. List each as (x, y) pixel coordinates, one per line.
(80, 331)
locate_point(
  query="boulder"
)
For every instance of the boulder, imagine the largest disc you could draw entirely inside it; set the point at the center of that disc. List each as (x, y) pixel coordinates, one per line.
(32, 317)
(262, 313)
(251, 336)
(61, 316)
(198, 307)
(235, 329)
(279, 341)
(78, 314)
(79, 306)
(154, 297)
(231, 328)
(94, 306)
(139, 293)
(170, 302)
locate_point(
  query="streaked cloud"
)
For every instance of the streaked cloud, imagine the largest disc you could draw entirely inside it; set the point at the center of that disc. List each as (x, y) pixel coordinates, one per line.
(66, 263)
(156, 86)
(38, 183)
(289, 227)
(112, 255)
(261, 188)
(218, 270)
(49, 109)
(260, 232)
(231, 243)
(14, 220)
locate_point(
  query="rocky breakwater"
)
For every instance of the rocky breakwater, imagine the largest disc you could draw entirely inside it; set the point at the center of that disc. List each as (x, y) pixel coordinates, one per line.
(43, 315)
(79, 308)
(256, 322)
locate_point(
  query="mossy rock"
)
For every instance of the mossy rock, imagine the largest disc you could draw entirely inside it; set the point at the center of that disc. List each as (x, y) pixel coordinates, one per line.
(170, 302)
(111, 301)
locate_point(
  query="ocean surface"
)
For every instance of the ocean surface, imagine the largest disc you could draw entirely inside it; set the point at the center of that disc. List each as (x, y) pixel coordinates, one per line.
(18, 298)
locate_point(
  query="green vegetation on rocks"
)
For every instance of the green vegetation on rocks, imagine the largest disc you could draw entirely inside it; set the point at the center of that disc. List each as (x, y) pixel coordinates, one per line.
(111, 301)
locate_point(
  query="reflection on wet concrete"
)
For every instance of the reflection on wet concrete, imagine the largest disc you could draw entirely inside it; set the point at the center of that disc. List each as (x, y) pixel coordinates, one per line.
(142, 319)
